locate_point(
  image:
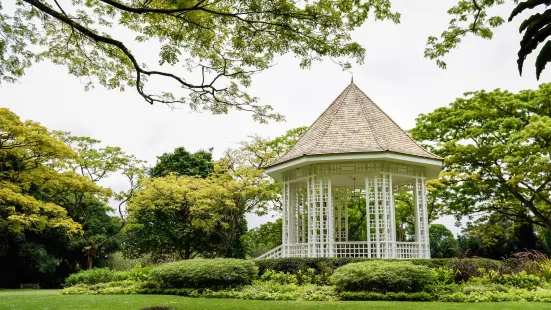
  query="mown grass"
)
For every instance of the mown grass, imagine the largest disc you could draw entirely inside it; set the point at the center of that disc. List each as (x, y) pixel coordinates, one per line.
(51, 299)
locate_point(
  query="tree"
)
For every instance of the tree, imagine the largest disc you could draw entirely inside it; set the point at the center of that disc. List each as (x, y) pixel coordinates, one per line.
(29, 154)
(263, 238)
(222, 42)
(182, 162)
(90, 209)
(36, 228)
(442, 242)
(186, 216)
(473, 17)
(498, 236)
(251, 157)
(496, 147)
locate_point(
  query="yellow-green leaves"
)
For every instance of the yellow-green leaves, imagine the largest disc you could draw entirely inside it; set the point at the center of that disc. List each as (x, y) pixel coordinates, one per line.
(29, 154)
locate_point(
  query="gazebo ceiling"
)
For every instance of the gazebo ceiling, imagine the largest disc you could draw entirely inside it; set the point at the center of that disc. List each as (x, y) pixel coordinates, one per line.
(354, 125)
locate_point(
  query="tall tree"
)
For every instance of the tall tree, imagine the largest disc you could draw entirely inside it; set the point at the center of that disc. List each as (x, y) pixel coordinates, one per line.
(97, 164)
(497, 152)
(182, 162)
(222, 42)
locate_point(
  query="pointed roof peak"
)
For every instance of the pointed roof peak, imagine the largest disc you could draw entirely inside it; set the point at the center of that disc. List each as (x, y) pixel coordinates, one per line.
(353, 123)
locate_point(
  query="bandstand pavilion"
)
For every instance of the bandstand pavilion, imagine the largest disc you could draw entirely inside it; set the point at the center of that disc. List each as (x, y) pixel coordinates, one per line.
(354, 151)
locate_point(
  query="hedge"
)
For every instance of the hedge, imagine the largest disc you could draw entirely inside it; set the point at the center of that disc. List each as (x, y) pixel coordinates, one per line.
(327, 265)
(383, 277)
(203, 273)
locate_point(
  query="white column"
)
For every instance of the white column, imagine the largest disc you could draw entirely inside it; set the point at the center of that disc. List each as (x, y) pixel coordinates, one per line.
(330, 219)
(425, 218)
(284, 220)
(368, 217)
(392, 217)
(322, 219)
(291, 225)
(377, 220)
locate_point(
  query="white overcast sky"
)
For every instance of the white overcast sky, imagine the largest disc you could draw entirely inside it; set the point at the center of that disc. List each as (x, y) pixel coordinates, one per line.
(396, 76)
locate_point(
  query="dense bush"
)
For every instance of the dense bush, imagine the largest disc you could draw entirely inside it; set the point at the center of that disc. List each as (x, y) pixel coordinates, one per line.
(300, 278)
(117, 261)
(327, 265)
(95, 276)
(383, 276)
(105, 275)
(520, 280)
(465, 268)
(390, 296)
(204, 273)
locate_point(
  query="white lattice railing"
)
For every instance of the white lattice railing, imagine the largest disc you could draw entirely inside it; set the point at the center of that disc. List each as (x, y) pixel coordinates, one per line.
(364, 249)
(273, 253)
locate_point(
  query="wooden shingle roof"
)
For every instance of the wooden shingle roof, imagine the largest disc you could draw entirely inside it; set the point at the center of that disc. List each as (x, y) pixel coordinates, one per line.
(354, 124)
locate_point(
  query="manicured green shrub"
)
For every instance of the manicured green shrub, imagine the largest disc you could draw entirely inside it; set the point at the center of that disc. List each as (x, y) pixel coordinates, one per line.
(105, 275)
(390, 296)
(110, 288)
(204, 273)
(383, 276)
(325, 266)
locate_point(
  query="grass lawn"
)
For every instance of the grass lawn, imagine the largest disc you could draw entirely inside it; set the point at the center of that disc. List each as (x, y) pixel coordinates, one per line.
(51, 299)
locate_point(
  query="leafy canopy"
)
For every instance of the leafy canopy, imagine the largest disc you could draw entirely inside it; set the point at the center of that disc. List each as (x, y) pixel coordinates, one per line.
(30, 157)
(219, 43)
(497, 148)
(182, 162)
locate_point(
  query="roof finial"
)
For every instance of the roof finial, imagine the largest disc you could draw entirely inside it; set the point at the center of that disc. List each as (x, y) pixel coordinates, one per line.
(352, 78)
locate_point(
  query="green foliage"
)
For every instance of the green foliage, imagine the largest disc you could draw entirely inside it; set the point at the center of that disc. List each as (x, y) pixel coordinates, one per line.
(185, 216)
(465, 268)
(381, 276)
(499, 296)
(121, 287)
(105, 275)
(545, 269)
(94, 276)
(496, 153)
(204, 273)
(325, 266)
(117, 261)
(299, 278)
(223, 45)
(442, 242)
(389, 296)
(520, 280)
(51, 208)
(536, 31)
(468, 17)
(262, 239)
(181, 162)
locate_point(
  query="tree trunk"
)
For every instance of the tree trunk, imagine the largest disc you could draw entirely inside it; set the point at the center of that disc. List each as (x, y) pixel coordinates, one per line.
(91, 254)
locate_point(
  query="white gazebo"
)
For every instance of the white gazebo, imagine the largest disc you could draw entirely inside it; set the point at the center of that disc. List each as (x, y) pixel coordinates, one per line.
(353, 153)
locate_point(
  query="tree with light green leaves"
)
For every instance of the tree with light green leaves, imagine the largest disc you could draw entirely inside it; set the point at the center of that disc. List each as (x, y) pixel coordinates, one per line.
(497, 151)
(208, 50)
